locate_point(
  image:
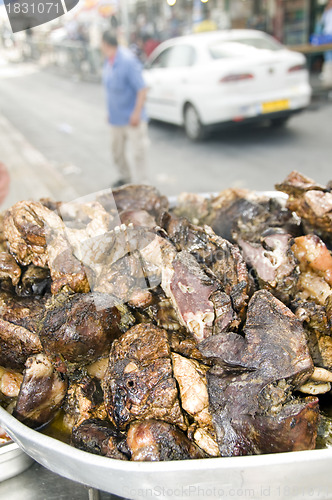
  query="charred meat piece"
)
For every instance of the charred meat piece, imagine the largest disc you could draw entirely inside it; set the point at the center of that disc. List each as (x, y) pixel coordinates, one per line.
(223, 258)
(274, 264)
(318, 327)
(310, 201)
(274, 348)
(191, 378)
(139, 383)
(80, 327)
(84, 401)
(36, 235)
(10, 271)
(196, 297)
(140, 197)
(153, 440)
(34, 281)
(236, 213)
(16, 345)
(24, 229)
(42, 392)
(98, 437)
(23, 311)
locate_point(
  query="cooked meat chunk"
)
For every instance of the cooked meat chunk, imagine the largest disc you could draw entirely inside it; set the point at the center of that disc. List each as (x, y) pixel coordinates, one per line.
(153, 440)
(84, 401)
(23, 311)
(310, 201)
(80, 327)
(24, 229)
(36, 235)
(136, 197)
(274, 264)
(236, 213)
(42, 392)
(139, 218)
(98, 437)
(191, 378)
(16, 345)
(139, 383)
(196, 297)
(181, 343)
(316, 268)
(318, 327)
(34, 281)
(223, 258)
(10, 382)
(274, 348)
(10, 271)
(192, 206)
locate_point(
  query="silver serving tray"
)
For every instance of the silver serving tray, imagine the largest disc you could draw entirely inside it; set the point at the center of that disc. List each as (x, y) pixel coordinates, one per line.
(13, 461)
(294, 476)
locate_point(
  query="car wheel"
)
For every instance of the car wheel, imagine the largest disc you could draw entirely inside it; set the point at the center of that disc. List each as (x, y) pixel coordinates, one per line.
(279, 122)
(192, 124)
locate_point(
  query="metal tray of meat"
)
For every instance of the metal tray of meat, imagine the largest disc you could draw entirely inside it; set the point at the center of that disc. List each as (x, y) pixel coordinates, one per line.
(294, 475)
(13, 461)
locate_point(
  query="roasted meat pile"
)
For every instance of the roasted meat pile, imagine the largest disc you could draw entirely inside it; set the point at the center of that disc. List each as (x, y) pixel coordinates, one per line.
(142, 331)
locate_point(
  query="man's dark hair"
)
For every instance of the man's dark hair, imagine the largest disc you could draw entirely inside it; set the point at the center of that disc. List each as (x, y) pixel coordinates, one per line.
(110, 39)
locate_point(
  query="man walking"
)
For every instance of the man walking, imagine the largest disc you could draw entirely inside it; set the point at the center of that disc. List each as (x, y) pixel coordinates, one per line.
(126, 95)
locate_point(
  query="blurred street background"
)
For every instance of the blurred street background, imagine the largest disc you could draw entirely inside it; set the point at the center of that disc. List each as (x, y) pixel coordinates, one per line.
(54, 133)
(55, 140)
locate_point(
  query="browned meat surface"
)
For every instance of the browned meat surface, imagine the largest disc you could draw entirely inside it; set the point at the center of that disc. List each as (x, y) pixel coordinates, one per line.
(153, 440)
(80, 327)
(24, 229)
(23, 311)
(34, 281)
(84, 401)
(242, 214)
(317, 325)
(16, 345)
(36, 235)
(223, 258)
(134, 197)
(10, 271)
(274, 264)
(42, 392)
(315, 260)
(191, 378)
(10, 383)
(273, 349)
(200, 304)
(98, 437)
(310, 201)
(139, 383)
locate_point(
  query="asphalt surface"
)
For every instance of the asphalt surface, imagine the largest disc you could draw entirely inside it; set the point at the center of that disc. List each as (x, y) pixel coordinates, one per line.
(65, 120)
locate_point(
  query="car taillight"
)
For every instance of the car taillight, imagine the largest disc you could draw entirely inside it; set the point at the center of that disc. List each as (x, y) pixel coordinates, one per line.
(297, 67)
(236, 78)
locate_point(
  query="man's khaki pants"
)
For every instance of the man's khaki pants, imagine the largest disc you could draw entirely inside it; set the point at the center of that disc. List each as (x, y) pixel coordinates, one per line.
(129, 149)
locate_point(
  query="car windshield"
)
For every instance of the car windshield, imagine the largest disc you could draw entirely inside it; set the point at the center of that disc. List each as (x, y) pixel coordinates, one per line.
(241, 46)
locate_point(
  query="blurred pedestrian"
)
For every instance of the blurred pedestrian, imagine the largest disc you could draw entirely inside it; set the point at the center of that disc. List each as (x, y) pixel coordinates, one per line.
(126, 95)
(4, 183)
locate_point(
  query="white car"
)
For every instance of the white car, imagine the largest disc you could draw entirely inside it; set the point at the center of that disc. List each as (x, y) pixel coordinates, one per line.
(201, 80)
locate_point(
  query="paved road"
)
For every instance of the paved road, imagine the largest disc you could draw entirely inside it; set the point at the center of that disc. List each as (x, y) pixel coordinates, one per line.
(66, 121)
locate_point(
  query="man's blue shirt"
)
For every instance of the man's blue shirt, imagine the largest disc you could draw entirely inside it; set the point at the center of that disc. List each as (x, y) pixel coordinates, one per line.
(122, 80)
